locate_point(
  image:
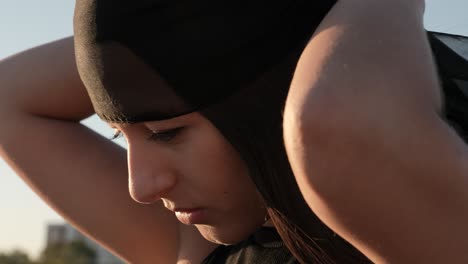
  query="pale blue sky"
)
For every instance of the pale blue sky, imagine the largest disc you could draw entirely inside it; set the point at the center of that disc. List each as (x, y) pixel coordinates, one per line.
(26, 23)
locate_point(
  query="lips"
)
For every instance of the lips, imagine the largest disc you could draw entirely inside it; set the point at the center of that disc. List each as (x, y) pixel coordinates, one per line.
(190, 216)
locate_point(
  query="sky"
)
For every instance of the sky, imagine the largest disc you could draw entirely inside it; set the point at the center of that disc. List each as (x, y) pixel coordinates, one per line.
(27, 23)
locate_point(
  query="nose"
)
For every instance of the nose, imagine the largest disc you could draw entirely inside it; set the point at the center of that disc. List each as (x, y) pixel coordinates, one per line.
(151, 174)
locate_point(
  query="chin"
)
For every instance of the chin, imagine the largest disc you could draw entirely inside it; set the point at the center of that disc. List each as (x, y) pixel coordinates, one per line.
(224, 236)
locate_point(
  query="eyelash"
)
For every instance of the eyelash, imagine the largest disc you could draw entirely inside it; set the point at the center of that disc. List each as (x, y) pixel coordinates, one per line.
(162, 136)
(117, 134)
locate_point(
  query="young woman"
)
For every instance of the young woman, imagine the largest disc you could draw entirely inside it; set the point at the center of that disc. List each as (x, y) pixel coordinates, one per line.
(207, 89)
(215, 157)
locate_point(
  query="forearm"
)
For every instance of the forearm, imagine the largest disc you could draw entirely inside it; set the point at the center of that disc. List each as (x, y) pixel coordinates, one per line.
(371, 155)
(82, 175)
(41, 102)
(44, 81)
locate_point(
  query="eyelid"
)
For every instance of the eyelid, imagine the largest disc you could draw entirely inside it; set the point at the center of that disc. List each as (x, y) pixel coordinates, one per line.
(158, 135)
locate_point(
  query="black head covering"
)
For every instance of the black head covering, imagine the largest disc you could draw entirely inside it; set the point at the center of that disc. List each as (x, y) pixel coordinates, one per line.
(451, 55)
(154, 59)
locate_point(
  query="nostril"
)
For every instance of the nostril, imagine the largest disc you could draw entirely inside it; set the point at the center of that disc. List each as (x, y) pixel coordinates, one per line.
(140, 197)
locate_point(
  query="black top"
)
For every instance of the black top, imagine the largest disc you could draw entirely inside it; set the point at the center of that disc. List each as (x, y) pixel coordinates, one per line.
(264, 246)
(451, 56)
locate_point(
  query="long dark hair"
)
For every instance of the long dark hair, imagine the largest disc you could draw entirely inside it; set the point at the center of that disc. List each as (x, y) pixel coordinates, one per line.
(252, 121)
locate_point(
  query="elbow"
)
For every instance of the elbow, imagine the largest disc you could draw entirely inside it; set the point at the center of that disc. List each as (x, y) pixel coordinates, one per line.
(331, 141)
(314, 135)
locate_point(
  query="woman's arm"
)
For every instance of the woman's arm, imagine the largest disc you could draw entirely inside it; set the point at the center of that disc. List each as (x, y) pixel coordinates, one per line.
(82, 175)
(366, 141)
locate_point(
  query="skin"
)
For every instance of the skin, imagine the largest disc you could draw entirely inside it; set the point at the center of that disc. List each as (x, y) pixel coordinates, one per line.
(84, 176)
(365, 137)
(194, 167)
(369, 145)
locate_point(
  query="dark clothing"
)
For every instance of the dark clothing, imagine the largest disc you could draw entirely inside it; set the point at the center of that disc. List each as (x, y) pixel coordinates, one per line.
(183, 56)
(264, 246)
(451, 56)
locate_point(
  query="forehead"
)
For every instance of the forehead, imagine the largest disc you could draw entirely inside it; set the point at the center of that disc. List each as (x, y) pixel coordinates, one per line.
(185, 119)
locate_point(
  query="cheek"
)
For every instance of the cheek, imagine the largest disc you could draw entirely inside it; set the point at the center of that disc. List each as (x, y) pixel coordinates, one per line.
(217, 173)
(224, 167)
(219, 177)
(216, 170)
(231, 181)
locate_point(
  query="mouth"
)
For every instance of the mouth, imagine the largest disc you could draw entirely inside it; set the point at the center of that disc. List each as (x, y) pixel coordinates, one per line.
(190, 216)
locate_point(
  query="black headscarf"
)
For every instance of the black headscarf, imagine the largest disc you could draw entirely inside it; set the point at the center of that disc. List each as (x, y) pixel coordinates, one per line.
(154, 59)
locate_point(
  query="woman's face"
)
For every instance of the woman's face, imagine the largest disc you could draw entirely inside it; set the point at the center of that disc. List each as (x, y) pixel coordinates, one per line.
(189, 165)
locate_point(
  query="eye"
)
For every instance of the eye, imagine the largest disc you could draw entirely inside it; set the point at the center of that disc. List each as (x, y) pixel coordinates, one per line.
(117, 134)
(165, 135)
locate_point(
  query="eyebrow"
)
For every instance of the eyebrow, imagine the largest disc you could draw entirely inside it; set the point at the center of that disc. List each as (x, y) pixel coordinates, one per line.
(117, 126)
(165, 122)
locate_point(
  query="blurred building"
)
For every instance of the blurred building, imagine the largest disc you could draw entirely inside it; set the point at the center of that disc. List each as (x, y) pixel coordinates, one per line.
(65, 233)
